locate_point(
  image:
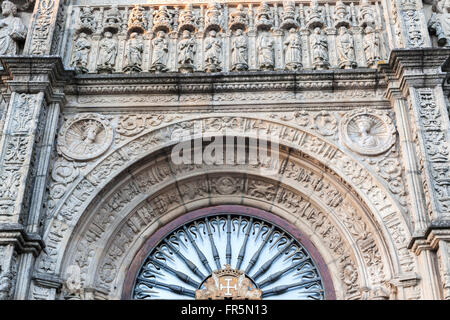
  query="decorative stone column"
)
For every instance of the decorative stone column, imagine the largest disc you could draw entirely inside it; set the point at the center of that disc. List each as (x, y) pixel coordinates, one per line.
(27, 143)
(415, 89)
(410, 24)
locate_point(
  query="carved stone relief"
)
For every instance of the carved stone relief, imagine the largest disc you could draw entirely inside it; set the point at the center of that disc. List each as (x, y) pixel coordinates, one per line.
(287, 36)
(85, 137)
(368, 132)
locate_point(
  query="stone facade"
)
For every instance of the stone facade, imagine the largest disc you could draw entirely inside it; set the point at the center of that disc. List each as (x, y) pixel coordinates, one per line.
(356, 94)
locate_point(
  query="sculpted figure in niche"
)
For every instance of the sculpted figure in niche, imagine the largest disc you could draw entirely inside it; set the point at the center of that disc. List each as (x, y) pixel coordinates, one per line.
(319, 44)
(160, 52)
(239, 52)
(12, 30)
(107, 53)
(293, 50)
(371, 44)
(213, 48)
(134, 53)
(265, 52)
(186, 52)
(82, 47)
(439, 23)
(345, 49)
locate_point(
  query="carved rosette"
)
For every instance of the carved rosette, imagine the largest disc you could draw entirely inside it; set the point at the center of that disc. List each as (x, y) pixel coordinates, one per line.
(368, 132)
(85, 137)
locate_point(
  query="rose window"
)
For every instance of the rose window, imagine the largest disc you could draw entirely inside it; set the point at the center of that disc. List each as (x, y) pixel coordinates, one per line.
(229, 256)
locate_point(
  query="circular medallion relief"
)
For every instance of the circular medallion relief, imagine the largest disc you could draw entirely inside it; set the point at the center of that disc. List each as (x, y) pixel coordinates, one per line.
(85, 137)
(368, 132)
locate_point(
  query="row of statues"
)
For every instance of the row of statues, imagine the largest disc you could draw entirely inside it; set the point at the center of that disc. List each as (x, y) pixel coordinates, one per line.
(213, 55)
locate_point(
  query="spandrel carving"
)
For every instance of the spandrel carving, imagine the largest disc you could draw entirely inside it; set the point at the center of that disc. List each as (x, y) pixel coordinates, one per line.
(12, 30)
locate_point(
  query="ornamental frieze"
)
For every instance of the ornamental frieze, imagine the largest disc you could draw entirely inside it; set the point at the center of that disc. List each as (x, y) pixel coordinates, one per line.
(215, 36)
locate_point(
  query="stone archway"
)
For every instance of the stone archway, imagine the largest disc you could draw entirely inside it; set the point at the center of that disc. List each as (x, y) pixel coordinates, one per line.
(343, 209)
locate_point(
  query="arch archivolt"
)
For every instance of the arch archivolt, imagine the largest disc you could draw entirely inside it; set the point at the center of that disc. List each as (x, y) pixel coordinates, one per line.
(116, 202)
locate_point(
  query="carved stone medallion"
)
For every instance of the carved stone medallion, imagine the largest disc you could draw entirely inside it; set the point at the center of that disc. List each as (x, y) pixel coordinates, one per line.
(85, 137)
(367, 132)
(228, 283)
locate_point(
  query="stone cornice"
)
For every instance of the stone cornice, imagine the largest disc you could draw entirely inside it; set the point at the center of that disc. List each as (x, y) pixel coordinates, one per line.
(225, 82)
(16, 235)
(419, 68)
(33, 74)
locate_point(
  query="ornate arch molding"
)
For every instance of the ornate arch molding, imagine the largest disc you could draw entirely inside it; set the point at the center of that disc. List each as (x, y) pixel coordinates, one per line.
(369, 189)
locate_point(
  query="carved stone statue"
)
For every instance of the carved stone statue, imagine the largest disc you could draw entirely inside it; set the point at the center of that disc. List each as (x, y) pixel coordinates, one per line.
(107, 53)
(134, 53)
(371, 42)
(186, 52)
(239, 52)
(160, 52)
(265, 52)
(12, 30)
(345, 49)
(319, 45)
(213, 52)
(82, 48)
(293, 50)
(439, 22)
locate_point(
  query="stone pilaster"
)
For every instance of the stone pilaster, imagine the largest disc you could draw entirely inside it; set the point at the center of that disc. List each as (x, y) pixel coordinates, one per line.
(26, 146)
(409, 24)
(43, 25)
(415, 89)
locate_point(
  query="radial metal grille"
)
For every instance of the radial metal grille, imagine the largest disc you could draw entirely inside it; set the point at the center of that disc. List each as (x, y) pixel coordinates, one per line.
(273, 259)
